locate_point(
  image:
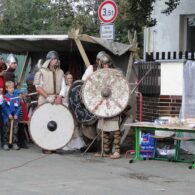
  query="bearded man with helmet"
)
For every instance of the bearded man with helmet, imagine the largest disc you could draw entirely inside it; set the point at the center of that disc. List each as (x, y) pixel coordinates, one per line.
(109, 126)
(90, 130)
(49, 81)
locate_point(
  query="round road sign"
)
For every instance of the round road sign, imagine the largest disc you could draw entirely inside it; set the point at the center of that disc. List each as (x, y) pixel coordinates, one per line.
(107, 11)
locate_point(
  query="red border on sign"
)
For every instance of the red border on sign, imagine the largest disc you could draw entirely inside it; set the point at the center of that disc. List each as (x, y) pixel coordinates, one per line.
(115, 14)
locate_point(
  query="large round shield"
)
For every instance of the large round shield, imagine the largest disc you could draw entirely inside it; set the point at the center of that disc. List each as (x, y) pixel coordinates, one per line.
(106, 93)
(81, 114)
(51, 126)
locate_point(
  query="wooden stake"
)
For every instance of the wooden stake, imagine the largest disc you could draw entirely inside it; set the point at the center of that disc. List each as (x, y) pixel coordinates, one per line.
(102, 145)
(74, 34)
(11, 131)
(134, 53)
(24, 70)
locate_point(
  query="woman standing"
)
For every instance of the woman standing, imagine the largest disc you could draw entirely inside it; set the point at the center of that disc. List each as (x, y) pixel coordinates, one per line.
(76, 142)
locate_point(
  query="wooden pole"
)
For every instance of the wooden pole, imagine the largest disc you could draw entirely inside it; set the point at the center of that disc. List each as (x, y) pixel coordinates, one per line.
(91, 143)
(74, 34)
(11, 131)
(134, 53)
(24, 70)
(102, 143)
(129, 66)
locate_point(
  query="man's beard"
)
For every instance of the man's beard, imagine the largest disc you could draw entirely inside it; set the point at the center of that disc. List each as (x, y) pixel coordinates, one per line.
(53, 68)
(11, 69)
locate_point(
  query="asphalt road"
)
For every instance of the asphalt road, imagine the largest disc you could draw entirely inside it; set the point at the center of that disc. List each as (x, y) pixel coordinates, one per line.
(28, 171)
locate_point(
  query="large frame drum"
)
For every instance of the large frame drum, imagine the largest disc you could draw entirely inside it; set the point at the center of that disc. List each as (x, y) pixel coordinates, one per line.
(51, 126)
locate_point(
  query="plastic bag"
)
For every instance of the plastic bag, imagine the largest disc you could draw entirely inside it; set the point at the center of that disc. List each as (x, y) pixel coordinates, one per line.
(166, 151)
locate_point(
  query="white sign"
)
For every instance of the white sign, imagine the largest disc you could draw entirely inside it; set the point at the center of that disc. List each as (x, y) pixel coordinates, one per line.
(107, 31)
(107, 11)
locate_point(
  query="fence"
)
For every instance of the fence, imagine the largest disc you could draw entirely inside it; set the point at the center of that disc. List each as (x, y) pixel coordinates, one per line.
(151, 83)
(187, 55)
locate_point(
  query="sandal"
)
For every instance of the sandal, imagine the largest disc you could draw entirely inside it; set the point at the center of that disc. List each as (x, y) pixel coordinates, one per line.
(115, 155)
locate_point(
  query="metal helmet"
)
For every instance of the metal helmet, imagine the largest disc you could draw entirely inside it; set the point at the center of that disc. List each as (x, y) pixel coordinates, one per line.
(105, 59)
(100, 54)
(11, 58)
(52, 55)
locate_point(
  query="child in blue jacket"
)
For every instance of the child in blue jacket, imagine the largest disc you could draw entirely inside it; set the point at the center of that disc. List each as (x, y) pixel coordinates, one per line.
(11, 111)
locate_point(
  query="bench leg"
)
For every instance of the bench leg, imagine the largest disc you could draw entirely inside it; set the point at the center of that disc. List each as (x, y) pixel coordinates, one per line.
(177, 148)
(192, 166)
(137, 146)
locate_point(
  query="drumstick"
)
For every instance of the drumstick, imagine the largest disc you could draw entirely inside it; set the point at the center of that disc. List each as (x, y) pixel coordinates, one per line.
(11, 131)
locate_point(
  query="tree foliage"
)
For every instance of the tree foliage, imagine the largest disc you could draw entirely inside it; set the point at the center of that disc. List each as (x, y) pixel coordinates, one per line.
(58, 17)
(133, 15)
(35, 17)
(86, 18)
(171, 5)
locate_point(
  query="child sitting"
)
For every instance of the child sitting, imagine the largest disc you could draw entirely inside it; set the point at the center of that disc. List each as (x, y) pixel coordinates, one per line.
(11, 111)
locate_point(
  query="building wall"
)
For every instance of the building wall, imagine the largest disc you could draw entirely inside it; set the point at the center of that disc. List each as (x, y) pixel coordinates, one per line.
(166, 35)
(159, 106)
(167, 100)
(171, 78)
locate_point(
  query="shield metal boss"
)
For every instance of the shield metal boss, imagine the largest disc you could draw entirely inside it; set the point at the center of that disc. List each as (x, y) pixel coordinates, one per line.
(81, 114)
(106, 93)
(51, 126)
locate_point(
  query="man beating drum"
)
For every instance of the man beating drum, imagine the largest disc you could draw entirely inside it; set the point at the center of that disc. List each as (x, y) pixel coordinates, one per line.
(49, 82)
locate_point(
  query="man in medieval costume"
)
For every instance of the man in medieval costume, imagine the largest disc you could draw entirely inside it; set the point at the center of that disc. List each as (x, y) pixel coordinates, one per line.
(109, 126)
(90, 131)
(12, 63)
(49, 82)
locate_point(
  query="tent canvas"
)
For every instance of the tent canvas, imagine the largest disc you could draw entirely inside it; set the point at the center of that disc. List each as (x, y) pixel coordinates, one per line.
(44, 43)
(36, 47)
